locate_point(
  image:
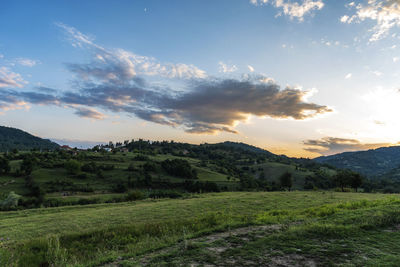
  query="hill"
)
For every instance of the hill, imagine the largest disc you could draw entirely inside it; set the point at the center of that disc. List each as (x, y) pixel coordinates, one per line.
(11, 138)
(375, 163)
(152, 170)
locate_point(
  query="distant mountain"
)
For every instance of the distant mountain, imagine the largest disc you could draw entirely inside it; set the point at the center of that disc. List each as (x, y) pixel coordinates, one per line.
(382, 162)
(11, 138)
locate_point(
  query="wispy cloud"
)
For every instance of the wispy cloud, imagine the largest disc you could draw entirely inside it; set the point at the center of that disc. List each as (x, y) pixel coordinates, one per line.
(333, 145)
(121, 65)
(386, 14)
(293, 9)
(26, 62)
(9, 79)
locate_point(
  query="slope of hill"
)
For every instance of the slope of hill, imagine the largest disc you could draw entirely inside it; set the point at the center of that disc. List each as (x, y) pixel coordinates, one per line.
(11, 138)
(372, 163)
(152, 166)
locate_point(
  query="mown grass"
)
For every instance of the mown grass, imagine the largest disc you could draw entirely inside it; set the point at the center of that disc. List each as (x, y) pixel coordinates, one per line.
(92, 234)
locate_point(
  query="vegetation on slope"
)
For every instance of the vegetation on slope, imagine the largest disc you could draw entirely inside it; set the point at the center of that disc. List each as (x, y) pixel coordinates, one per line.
(11, 139)
(372, 163)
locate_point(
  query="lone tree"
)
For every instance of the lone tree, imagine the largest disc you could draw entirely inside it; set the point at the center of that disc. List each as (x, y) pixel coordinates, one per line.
(356, 180)
(286, 180)
(341, 179)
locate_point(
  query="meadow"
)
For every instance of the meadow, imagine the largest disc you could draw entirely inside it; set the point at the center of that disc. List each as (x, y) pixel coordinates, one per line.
(319, 228)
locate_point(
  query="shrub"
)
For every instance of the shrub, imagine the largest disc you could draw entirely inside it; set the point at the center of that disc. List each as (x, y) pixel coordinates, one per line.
(90, 167)
(135, 195)
(180, 168)
(10, 202)
(72, 166)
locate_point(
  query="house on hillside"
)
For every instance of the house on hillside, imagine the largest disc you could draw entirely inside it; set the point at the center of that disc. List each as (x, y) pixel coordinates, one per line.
(66, 148)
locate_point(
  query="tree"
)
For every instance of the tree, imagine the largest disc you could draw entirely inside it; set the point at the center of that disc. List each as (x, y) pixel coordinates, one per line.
(343, 178)
(72, 166)
(356, 180)
(286, 180)
(27, 165)
(4, 165)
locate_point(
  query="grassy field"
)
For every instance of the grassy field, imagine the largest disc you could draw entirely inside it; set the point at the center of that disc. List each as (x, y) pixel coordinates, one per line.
(253, 228)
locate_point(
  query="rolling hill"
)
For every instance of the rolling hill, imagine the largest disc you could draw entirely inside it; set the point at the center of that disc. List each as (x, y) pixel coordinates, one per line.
(11, 138)
(382, 162)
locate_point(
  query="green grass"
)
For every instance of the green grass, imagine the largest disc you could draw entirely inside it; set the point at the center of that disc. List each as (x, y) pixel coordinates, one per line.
(92, 234)
(273, 170)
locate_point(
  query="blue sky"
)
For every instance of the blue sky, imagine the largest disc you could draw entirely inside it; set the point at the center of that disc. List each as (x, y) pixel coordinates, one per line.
(298, 77)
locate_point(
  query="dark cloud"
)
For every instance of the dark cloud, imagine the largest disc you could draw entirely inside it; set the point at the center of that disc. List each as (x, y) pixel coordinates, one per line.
(215, 105)
(210, 106)
(332, 145)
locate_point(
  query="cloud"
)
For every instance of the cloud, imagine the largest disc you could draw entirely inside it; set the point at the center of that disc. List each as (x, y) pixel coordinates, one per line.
(295, 10)
(89, 113)
(9, 79)
(114, 82)
(26, 62)
(226, 68)
(332, 145)
(10, 101)
(121, 65)
(348, 76)
(385, 13)
(344, 19)
(377, 73)
(395, 59)
(251, 68)
(209, 106)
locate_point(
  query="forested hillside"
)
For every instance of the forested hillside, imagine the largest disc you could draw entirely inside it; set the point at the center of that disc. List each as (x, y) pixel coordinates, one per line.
(11, 138)
(372, 163)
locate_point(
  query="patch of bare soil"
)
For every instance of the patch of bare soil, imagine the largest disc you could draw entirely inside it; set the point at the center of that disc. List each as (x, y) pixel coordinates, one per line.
(394, 228)
(293, 260)
(216, 244)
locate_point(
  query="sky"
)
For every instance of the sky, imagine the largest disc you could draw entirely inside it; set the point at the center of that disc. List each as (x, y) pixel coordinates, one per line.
(303, 78)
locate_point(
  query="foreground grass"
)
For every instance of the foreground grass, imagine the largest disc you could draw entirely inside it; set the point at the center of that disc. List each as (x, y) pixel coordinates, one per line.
(95, 234)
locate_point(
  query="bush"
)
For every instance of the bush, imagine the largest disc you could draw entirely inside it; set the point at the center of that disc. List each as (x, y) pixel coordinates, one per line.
(72, 166)
(131, 167)
(180, 168)
(165, 194)
(141, 158)
(119, 187)
(135, 195)
(149, 167)
(11, 202)
(90, 167)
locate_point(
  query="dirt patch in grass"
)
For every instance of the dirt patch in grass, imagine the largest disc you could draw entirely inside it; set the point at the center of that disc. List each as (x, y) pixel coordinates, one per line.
(294, 260)
(211, 241)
